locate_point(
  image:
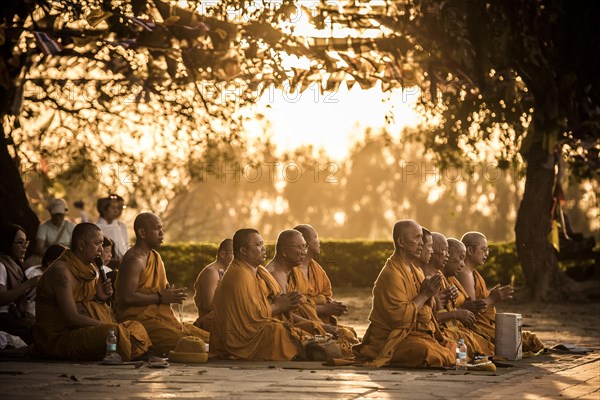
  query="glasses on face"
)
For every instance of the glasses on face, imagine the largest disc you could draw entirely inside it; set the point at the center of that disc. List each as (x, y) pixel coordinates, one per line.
(21, 242)
(485, 249)
(298, 246)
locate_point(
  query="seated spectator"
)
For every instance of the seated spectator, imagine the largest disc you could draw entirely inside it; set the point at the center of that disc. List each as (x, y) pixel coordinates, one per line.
(110, 209)
(56, 230)
(14, 286)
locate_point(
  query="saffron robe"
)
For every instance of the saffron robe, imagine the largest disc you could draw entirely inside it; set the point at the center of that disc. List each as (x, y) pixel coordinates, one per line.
(398, 333)
(158, 319)
(455, 329)
(244, 327)
(297, 281)
(52, 336)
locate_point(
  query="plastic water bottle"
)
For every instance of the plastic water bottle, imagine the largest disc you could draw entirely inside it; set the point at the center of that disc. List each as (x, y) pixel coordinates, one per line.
(461, 355)
(111, 343)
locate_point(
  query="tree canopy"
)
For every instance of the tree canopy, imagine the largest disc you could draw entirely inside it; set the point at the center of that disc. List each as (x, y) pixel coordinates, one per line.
(75, 75)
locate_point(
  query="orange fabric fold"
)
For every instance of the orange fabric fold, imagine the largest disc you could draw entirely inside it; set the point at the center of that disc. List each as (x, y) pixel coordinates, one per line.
(398, 332)
(243, 325)
(54, 338)
(158, 319)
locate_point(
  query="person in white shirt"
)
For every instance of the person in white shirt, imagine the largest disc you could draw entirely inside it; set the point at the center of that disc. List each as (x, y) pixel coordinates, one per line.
(110, 209)
(56, 230)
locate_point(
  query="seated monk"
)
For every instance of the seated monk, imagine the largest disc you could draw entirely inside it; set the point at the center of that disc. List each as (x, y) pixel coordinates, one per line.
(457, 322)
(72, 316)
(206, 283)
(289, 252)
(478, 299)
(143, 292)
(250, 321)
(402, 327)
(482, 301)
(319, 286)
(426, 254)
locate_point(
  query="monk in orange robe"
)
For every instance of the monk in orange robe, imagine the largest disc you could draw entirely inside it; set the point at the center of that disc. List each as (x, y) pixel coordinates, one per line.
(72, 314)
(206, 284)
(402, 329)
(143, 292)
(250, 312)
(457, 322)
(319, 287)
(478, 299)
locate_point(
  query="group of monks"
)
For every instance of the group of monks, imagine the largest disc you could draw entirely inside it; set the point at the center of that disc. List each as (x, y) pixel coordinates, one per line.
(427, 296)
(73, 305)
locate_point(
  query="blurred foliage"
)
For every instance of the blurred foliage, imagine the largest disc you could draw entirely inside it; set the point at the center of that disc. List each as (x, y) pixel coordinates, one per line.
(349, 263)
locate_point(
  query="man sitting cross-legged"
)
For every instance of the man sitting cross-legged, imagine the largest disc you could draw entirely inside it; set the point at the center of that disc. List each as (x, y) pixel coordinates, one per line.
(479, 300)
(143, 292)
(72, 317)
(207, 282)
(457, 322)
(402, 329)
(249, 315)
(319, 287)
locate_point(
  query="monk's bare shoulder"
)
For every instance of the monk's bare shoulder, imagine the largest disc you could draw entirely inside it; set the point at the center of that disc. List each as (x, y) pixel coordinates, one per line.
(133, 260)
(210, 273)
(57, 276)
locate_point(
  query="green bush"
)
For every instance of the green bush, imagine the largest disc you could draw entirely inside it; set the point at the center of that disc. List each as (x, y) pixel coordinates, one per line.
(349, 263)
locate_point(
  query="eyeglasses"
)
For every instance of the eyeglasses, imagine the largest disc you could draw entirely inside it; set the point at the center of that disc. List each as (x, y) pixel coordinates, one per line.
(22, 242)
(298, 246)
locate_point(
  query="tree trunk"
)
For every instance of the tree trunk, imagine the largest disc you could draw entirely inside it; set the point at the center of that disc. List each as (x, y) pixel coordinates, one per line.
(534, 221)
(14, 206)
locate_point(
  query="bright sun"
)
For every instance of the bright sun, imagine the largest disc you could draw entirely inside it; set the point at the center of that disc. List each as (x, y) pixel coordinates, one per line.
(333, 121)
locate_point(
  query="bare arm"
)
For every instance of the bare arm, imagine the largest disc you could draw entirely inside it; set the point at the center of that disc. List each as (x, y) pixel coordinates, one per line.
(465, 277)
(208, 285)
(62, 282)
(129, 278)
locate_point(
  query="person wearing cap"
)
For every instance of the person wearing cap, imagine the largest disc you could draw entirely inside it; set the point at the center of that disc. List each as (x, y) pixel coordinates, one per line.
(56, 230)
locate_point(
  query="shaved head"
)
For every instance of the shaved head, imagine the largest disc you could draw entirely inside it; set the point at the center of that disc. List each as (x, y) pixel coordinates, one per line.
(306, 230)
(241, 238)
(286, 237)
(402, 228)
(455, 245)
(84, 231)
(143, 220)
(473, 239)
(226, 245)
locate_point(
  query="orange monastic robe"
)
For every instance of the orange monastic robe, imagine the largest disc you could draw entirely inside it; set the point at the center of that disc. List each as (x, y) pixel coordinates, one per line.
(399, 333)
(158, 319)
(297, 281)
(455, 329)
(319, 286)
(485, 325)
(244, 327)
(54, 338)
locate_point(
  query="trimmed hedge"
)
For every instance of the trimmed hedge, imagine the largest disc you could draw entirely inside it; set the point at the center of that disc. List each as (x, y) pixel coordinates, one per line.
(349, 263)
